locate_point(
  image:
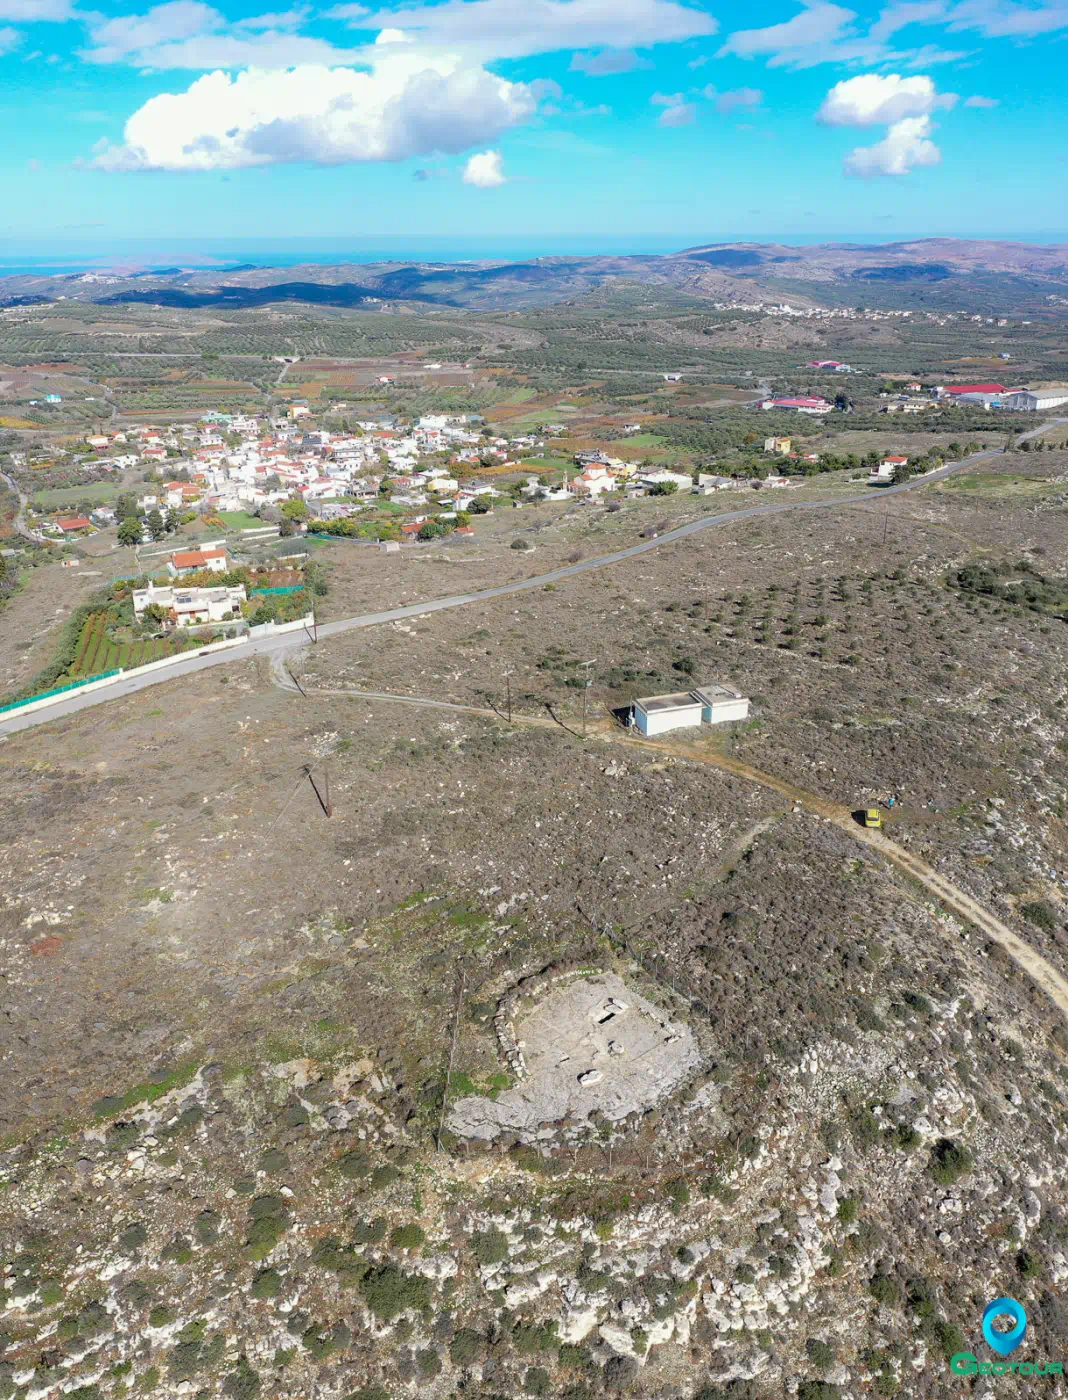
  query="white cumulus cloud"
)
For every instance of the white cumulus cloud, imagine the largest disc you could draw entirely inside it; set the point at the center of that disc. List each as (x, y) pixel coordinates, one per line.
(905, 147)
(485, 169)
(902, 105)
(403, 107)
(981, 102)
(877, 99)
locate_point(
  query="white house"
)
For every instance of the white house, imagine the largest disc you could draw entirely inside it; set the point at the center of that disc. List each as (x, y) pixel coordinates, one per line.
(682, 480)
(594, 481)
(191, 606)
(883, 474)
(194, 560)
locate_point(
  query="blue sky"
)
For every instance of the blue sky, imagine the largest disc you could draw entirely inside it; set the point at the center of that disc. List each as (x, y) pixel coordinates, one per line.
(528, 119)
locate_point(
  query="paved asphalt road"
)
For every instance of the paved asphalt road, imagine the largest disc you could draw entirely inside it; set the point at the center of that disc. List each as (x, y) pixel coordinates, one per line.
(292, 641)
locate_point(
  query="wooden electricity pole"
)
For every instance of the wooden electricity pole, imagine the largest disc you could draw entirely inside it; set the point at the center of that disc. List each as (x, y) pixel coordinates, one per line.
(585, 692)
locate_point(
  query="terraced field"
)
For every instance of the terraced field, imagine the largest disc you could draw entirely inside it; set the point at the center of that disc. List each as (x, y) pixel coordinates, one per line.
(97, 652)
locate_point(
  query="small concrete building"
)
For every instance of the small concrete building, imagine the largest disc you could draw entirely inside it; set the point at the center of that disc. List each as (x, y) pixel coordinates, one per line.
(711, 704)
(722, 703)
(659, 714)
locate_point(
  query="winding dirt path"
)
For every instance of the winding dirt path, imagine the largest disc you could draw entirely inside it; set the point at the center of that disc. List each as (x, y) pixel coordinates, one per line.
(1042, 973)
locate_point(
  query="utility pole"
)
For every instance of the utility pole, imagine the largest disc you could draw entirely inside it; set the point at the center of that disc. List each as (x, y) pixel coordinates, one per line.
(326, 777)
(508, 685)
(886, 523)
(585, 691)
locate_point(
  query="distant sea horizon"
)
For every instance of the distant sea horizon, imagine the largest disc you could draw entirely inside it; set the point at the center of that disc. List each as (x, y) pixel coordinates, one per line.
(58, 256)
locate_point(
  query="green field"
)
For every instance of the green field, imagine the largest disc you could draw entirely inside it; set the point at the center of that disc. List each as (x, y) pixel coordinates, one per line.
(96, 653)
(240, 520)
(101, 493)
(642, 440)
(540, 416)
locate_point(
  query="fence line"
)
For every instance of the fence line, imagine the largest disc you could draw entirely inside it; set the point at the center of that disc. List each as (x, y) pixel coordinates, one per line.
(58, 690)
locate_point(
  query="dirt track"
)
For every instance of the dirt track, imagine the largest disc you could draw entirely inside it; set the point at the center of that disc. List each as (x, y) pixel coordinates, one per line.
(1041, 972)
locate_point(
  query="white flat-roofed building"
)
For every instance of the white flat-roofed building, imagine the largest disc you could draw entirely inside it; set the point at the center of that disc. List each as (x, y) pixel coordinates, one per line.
(659, 714)
(721, 704)
(190, 607)
(688, 709)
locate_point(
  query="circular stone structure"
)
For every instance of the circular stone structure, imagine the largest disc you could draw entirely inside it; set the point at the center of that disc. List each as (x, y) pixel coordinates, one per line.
(593, 1045)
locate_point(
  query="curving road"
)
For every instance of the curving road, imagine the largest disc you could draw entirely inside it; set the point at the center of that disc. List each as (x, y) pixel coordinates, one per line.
(270, 646)
(21, 528)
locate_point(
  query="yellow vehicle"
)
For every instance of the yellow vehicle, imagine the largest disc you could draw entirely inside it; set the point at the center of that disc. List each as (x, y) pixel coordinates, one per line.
(872, 818)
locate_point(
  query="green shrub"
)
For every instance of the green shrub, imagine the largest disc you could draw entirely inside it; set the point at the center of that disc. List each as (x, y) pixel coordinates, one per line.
(490, 1247)
(355, 1165)
(818, 1390)
(160, 1316)
(906, 1137)
(388, 1292)
(429, 1363)
(274, 1160)
(123, 1136)
(820, 1353)
(949, 1162)
(321, 1345)
(678, 1192)
(370, 1392)
(179, 1251)
(864, 1128)
(536, 1381)
(243, 1383)
(206, 1225)
(465, 1347)
(948, 1337)
(578, 1358)
(884, 1289)
(1028, 1265)
(1039, 913)
(133, 1237)
(408, 1236)
(847, 1210)
(382, 1177)
(266, 1284)
(369, 1231)
(263, 1236)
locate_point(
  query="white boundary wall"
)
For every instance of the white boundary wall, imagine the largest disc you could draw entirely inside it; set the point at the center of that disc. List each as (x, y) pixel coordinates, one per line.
(268, 629)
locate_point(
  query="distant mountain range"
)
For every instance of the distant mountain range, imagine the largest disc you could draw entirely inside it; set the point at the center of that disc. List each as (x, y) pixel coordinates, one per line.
(948, 272)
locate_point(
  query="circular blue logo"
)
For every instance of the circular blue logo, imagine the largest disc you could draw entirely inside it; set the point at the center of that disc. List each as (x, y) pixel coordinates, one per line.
(1004, 1342)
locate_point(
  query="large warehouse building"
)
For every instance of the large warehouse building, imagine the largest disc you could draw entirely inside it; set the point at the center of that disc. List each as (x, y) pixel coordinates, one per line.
(1035, 400)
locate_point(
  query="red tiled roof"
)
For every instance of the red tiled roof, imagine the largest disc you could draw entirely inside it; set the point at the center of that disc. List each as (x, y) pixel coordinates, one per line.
(74, 522)
(196, 558)
(975, 388)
